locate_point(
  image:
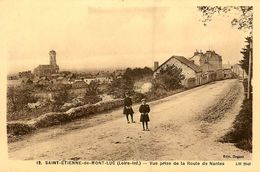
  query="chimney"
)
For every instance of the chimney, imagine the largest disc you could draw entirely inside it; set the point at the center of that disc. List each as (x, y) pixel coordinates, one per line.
(156, 65)
(196, 52)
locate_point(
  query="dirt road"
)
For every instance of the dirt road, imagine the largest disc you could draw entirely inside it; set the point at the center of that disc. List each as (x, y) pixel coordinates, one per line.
(185, 126)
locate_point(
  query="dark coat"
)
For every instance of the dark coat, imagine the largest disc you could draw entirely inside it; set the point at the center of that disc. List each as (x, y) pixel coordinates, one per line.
(128, 101)
(128, 106)
(144, 110)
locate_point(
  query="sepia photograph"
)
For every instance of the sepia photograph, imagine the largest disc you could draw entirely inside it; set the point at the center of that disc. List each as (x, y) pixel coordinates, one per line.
(99, 82)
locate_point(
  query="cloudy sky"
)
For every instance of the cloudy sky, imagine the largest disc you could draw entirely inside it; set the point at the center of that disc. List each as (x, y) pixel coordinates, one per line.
(89, 35)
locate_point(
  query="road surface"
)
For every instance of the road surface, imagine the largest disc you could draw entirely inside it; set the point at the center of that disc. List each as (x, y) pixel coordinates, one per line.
(185, 126)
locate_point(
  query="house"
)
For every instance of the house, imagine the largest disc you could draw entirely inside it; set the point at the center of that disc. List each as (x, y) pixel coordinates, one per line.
(25, 74)
(208, 62)
(192, 72)
(208, 76)
(228, 73)
(79, 84)
(238, 71)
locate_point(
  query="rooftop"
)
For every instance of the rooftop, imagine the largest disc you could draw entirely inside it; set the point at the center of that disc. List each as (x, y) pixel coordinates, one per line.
(184, 61)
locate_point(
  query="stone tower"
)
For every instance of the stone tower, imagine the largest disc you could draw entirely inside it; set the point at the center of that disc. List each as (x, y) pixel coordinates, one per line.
(52, 55)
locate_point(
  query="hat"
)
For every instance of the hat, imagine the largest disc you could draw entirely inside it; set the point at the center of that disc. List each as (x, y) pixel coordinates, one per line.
(143, 99)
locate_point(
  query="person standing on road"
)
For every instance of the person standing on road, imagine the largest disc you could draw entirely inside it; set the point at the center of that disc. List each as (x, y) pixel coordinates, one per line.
(144, 109)
(128, 108)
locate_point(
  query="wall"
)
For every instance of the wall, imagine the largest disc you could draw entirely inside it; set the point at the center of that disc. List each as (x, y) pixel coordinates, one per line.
(53, 118)
(188, 72)
(196, 58)
(210, 61)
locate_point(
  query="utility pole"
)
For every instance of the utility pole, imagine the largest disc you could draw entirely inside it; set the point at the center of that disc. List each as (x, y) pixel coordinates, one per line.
(249, 70)
(243, 75)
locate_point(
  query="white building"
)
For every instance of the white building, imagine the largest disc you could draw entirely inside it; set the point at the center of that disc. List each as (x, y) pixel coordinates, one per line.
(191, 71)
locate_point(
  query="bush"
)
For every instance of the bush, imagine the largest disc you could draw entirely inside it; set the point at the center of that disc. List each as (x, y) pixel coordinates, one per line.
(19, 97)
(92, 92)
(241, 135)
(137, 73)
(59, 97)
(137, 97)
(19, 128)
(119, 86)
(169, 78)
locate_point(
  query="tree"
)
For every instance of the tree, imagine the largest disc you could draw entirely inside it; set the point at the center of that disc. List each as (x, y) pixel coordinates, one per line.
(243, 20)
(92, 91)
(119, 86)
(244, 63)
(169, 78)
(242, 133)
(19, 97)
(137, 73)
(60, 97)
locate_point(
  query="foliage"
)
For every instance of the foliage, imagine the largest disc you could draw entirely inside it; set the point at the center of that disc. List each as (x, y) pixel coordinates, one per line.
(58, 86)
(169, 78)
(137, 97)
(92, 91)
(244, 63)
(241, 134)
(244, 20)
(60, 97)
(137, 73)
(119, 86)
(93, 88)
(19, 97)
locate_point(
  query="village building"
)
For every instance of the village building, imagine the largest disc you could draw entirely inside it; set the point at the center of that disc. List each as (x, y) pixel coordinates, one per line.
(209, 62)
(79, 84)
(238, 71)
(191, 71)
(12, 77)
(25, 74)
(228, 74)
(47, 70)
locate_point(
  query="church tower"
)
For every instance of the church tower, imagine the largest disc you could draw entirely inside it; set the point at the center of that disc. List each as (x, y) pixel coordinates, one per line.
(52, 55)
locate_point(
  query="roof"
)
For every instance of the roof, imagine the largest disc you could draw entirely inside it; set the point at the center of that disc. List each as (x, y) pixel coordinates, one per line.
(198, 54)
(211, 52)
(46, 67)
(184, 61)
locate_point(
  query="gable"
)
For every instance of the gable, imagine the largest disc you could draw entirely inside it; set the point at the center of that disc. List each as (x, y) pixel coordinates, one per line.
(186, 70)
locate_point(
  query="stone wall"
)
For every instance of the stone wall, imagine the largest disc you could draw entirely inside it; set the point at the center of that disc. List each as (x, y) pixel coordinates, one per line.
(54, 118)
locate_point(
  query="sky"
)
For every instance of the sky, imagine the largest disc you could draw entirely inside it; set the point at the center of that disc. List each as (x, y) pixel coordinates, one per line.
(111, 34)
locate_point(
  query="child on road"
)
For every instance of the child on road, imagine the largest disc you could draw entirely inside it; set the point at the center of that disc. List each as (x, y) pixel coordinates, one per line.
(144, 109)
(128, 110)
